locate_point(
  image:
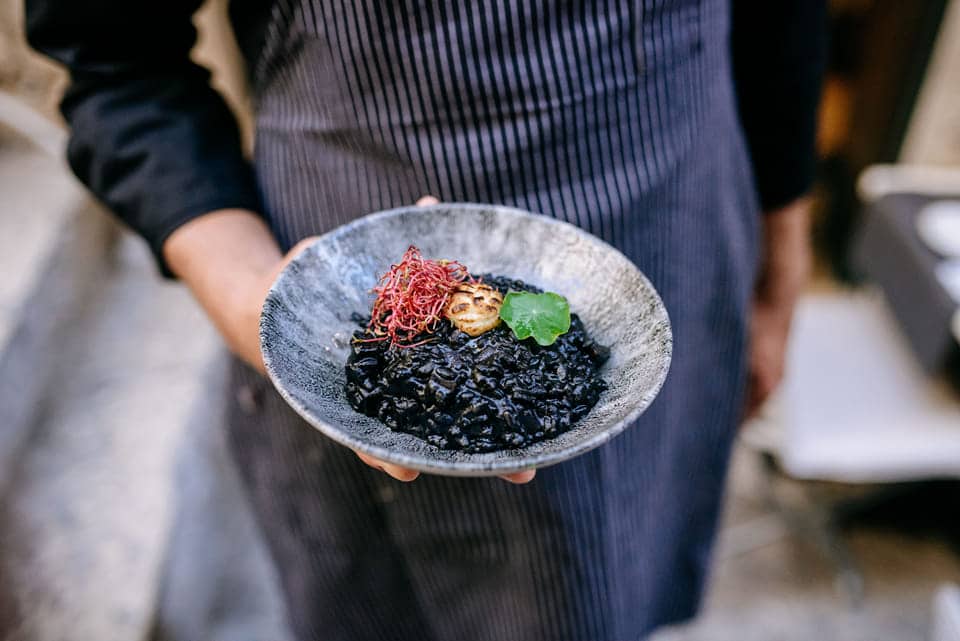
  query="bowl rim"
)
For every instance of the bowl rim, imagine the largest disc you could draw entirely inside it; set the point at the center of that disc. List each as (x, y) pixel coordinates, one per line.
(473, 464)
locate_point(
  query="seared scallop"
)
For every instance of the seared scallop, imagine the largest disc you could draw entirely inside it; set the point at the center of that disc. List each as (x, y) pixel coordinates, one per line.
(474, 308)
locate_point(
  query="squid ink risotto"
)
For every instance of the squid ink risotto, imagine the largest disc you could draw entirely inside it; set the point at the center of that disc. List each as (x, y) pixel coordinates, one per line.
(471, 363)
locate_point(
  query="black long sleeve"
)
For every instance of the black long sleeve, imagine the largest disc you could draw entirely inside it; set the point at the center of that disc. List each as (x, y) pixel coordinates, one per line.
(779, 54)
(149, 136)
(157, 144)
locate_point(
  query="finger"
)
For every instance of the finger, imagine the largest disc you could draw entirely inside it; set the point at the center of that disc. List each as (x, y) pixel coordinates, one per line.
(404, 474)
(426, 201)
(299, 247)
(519, 478)
(761, 386)
(369, 460)
(752, 403)
(291, 254)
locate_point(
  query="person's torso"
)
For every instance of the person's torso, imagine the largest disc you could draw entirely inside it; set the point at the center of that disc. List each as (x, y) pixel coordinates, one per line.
(615, 116)
(443, 85)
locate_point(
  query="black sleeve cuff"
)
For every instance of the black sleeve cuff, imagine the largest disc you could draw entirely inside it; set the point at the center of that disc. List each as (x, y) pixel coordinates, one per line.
(779, 55)
(158, 151)
(157, 235)
(149, 136)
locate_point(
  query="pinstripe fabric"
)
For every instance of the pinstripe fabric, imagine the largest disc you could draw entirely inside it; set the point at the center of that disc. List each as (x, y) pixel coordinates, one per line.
(616, 116)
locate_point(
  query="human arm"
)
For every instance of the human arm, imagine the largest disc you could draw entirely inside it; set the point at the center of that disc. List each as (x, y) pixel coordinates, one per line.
(149, 136)
(153, 140)
(785, 266)
(779, 52)
(229, 260)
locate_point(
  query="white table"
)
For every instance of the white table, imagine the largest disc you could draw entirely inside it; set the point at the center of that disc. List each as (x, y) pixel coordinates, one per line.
(855, 405)
(854, 408)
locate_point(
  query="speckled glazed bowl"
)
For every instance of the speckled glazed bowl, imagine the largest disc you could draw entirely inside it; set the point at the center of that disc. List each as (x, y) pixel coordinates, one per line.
(305, 328)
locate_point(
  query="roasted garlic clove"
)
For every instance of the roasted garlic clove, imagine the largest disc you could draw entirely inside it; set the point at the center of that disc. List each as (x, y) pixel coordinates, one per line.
(474, 308)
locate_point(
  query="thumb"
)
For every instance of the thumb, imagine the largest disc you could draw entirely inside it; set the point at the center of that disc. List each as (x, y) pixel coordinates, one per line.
(292, 253)
(297, 249)
(428, 200)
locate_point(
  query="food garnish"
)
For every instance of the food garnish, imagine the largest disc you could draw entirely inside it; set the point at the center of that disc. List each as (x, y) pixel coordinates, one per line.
(480, 393)
(474, 308)
(544, 316)
(417, 293)
(411, 297)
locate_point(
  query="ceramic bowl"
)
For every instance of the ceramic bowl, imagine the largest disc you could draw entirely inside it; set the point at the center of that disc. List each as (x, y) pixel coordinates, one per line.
(305, 328)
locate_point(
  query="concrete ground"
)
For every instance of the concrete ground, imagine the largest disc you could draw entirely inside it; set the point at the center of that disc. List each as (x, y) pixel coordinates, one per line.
(773, 579)
(119, 517)
(99, 401)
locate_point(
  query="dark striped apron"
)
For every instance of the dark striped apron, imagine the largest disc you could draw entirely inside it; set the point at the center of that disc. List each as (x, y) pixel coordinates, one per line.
(616, 116)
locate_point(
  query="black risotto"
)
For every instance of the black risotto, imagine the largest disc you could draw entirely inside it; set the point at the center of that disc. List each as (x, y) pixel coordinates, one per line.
(478, 394)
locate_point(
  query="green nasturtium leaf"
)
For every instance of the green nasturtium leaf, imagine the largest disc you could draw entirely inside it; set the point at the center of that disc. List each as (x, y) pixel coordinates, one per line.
(543, 316)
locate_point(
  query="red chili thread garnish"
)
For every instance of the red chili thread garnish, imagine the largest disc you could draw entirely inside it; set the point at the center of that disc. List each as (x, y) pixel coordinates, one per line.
(411, 297)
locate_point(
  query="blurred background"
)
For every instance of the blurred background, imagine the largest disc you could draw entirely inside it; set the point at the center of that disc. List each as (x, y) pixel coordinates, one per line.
(842, 519)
